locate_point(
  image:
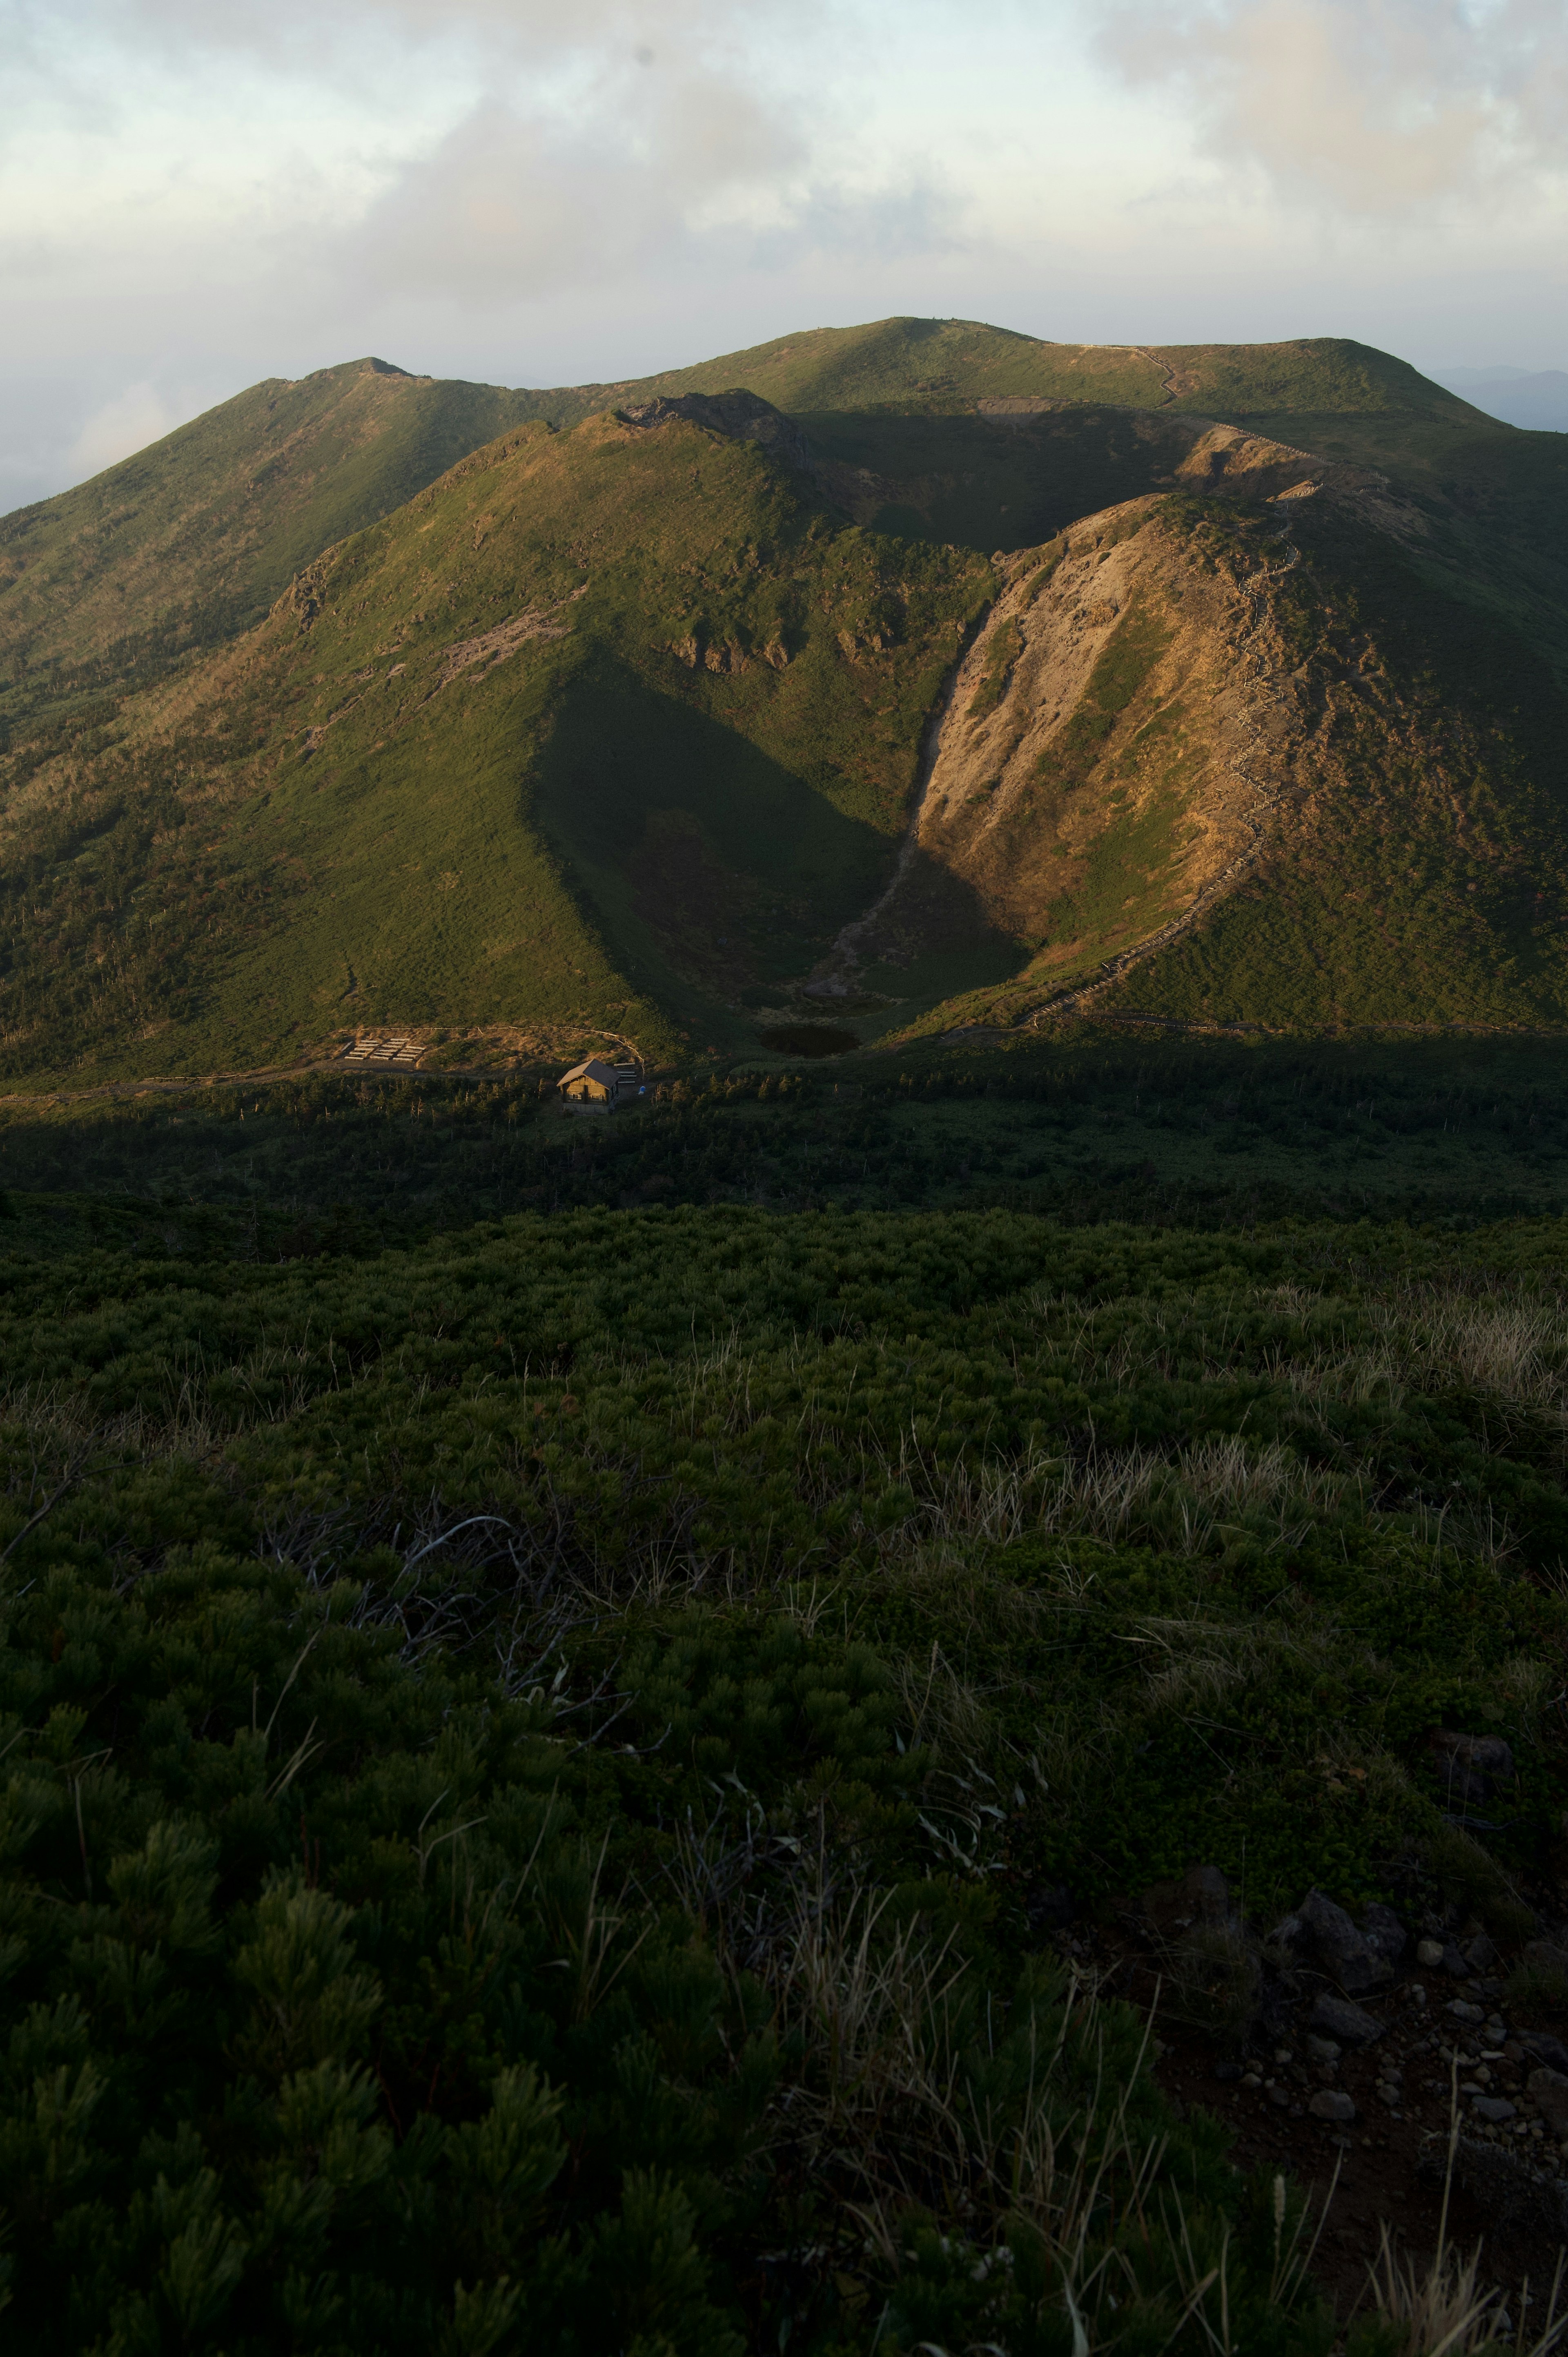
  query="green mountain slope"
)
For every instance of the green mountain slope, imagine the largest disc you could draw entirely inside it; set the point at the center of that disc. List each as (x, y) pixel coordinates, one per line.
(1493, 501)
(932, 363)
(948, 429)
(192, 539)
(601, 729)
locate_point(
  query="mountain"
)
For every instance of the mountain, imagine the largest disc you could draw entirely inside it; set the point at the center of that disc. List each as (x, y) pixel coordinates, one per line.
(947, 429)
(1016, 685)
(933, 364)
(189, 540)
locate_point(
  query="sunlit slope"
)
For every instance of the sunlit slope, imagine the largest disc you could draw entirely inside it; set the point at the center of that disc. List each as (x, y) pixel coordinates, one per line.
(1417, 871)
(935, 363)
(607, 727)
(1246, 762)
(192, 539)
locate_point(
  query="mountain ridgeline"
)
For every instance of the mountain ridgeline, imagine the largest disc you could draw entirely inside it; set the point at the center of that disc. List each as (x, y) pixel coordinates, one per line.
(923, 673)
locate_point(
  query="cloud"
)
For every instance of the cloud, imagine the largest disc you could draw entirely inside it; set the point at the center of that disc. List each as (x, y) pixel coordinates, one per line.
(517, 201)
(1370, 106)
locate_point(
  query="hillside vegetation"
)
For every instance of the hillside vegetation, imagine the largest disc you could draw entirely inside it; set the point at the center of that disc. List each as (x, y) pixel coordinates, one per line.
(564, 1778)
(1264, 742)
(928, 364)
(179, 547)
(821, 1715)
(602, 728)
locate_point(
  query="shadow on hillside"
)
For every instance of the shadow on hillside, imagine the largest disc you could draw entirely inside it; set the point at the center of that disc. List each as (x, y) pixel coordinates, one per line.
(1004, 481)
(706, 864)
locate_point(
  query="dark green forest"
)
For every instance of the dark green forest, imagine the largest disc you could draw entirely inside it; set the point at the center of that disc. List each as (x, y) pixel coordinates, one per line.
(559, 1675)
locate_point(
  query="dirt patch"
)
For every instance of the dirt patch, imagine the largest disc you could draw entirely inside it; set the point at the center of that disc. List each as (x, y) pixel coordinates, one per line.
(1386, 2164)
(482, 654)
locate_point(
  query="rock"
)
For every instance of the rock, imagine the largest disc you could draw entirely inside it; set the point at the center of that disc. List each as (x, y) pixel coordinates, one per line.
(1341, 1948)
(1462, 2012)
(1331, 2104)
(1479, 1953)
(1503, 2182)
(1470, 1767)
(1546, 1957)
(1324, 2050)
(1429, 1954)
(1209, 1892)
(1453, 1962)
(1383, 1933)
(1228, 2069)
(1497, 2109)
(1548, 2091)
(1332, 2017)
(742, 416)
(1542, 2047)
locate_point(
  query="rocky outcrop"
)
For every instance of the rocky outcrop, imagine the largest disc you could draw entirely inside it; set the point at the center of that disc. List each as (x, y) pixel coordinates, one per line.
(741, 417)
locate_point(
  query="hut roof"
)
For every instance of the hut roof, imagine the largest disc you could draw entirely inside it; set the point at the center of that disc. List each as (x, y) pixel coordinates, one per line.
(594, 1069)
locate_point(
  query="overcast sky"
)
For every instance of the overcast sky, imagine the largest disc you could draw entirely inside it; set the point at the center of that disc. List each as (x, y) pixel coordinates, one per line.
(194, 194)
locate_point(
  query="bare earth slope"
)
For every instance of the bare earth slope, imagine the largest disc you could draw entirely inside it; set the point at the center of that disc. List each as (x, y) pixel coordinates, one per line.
(1237, 760)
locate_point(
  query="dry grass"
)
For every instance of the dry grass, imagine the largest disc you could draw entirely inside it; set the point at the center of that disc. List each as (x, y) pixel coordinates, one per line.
(887, 2104)
(1426, 1338)
(1179, 1499)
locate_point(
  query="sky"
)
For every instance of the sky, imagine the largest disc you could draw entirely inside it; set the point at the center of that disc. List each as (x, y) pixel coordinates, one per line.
(197, 194)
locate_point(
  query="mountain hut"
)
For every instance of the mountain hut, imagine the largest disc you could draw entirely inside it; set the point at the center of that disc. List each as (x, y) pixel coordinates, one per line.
(596, 1082)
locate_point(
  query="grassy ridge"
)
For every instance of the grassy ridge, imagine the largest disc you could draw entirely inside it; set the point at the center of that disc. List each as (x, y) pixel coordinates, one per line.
(189, 540)
(658, 822)
(1494, 500)
(923, 364)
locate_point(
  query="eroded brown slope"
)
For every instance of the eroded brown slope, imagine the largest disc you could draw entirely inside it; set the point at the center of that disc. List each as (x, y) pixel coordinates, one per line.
(1114, 741)
(1241, 759)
